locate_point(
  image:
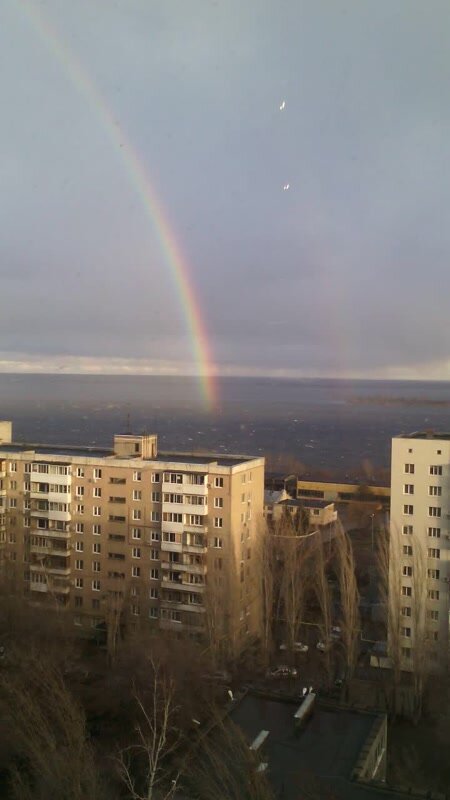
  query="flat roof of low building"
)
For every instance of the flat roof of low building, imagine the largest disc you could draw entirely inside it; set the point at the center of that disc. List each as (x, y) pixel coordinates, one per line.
(327, 747)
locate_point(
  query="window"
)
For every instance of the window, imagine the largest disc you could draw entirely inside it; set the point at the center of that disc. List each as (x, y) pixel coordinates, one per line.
(154, 574)
(96, 511)
(79, 509)
(434, 615)
(173, 477)
(13, 485)
(218, 522)
(96, 491)
(408, 510)
(96, 603)
(434, 573)
(435, 469)
(243, 478)
(435, 491)
(217, 542)
(154, 555)
(96, 547)
(407, 550)
(406, 611)
(434, 511)
(79, 583)
(79, 547)
(153, 593)
(96, 530)
(408, 488)
(169, 536)
(153, 613)
(156, 497)
(97, 474)
(13, 466)
(137, 513)
(406, 591)
(409, 468)
(434, 532)
(137, 475)
(12, 502)
(79, 491)
(137, 494)
(135, 572)
(79, 527)
(154, 516)
(136, 533)
(154, 536)
(407, 530)
(156, 477)
(405, 632)
(434, 552)
(406, 652)
(95, 585)
(407, 571)
(26, 522)
(79, 472)
(135, 610)
(433, 594)
(96, 566)
(172, 516)
(79, 564)
(136, 552)
(218, 483)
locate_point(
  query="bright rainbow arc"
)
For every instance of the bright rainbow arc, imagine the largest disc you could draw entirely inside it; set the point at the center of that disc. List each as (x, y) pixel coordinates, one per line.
(139, 178)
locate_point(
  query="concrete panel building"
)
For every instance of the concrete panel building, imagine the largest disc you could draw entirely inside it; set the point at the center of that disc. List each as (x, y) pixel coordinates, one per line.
(162, 539)
(420, 544)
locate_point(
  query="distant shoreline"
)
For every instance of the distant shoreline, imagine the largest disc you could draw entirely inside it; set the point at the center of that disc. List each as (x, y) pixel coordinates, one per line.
(397, 401)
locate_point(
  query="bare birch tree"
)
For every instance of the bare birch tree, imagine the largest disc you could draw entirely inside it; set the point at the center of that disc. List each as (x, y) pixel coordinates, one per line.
(350, 622)
(322, 591)
(420, 651)
(389, 565)
(266, 562)
(146, 766)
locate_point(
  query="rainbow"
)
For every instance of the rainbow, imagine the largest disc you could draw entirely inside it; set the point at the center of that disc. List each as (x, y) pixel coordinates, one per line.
(140, 180)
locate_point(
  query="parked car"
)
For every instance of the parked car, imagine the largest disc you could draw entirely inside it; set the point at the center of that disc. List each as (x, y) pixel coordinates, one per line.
(297, 647)
(282, 671)
(324, 645)
(335, 633)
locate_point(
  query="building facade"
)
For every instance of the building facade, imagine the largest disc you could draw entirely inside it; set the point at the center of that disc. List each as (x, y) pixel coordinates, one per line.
(162, 539)
(420, 546)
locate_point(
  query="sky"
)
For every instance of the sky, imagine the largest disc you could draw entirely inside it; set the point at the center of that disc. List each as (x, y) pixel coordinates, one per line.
(345, 273)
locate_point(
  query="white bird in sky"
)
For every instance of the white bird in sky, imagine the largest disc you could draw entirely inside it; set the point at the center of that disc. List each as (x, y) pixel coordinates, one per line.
(283, 105)
(285, 187)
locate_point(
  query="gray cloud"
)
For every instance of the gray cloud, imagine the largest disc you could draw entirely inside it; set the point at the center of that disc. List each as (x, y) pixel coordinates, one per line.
(347, 272)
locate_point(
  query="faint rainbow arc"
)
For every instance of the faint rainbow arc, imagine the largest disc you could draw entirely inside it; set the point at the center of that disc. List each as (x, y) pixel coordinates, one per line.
(138, 175)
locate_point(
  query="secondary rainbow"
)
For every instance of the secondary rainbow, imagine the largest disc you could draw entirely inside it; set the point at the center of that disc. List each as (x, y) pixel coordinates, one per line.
(140, 179)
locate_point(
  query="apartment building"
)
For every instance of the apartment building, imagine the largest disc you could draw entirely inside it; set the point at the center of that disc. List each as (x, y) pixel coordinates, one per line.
(420, 544)
(165, 539)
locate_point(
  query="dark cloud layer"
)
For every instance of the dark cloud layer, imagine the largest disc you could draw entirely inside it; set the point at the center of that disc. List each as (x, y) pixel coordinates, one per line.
(345, 273)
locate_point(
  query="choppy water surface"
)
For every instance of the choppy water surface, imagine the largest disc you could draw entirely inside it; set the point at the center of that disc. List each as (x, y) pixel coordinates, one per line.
(326, 424)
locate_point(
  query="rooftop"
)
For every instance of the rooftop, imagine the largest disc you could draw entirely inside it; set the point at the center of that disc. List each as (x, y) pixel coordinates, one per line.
(84, 451)
(424, 435)
(327, 747)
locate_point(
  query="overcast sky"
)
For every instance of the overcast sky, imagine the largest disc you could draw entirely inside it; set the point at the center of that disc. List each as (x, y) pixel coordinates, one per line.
(345, 273)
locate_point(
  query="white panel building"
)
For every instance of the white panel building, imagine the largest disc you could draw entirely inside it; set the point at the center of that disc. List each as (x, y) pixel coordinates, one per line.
(420, 544)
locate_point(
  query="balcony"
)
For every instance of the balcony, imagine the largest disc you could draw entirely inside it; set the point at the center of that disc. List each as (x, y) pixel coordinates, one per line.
(197, 608)
(50, 477)
(57, 571)
(182, 586)
(58, 516)
(197, 528)
(195, 549)
(172, 547)
(48, 550)
(49, 532)
(38, 587)
(185, 488)
(52, 497)
(185, 508)
(170, 625)
(172, 527)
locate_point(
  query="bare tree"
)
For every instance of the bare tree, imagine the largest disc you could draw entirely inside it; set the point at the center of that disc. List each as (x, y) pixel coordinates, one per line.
(420, 651)
(322, 591)
(223, 767)
(389, 567)
(350, 622)
(113, 612)
(266, 563)
(146, 766)
(293, 582)
(48, 732)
